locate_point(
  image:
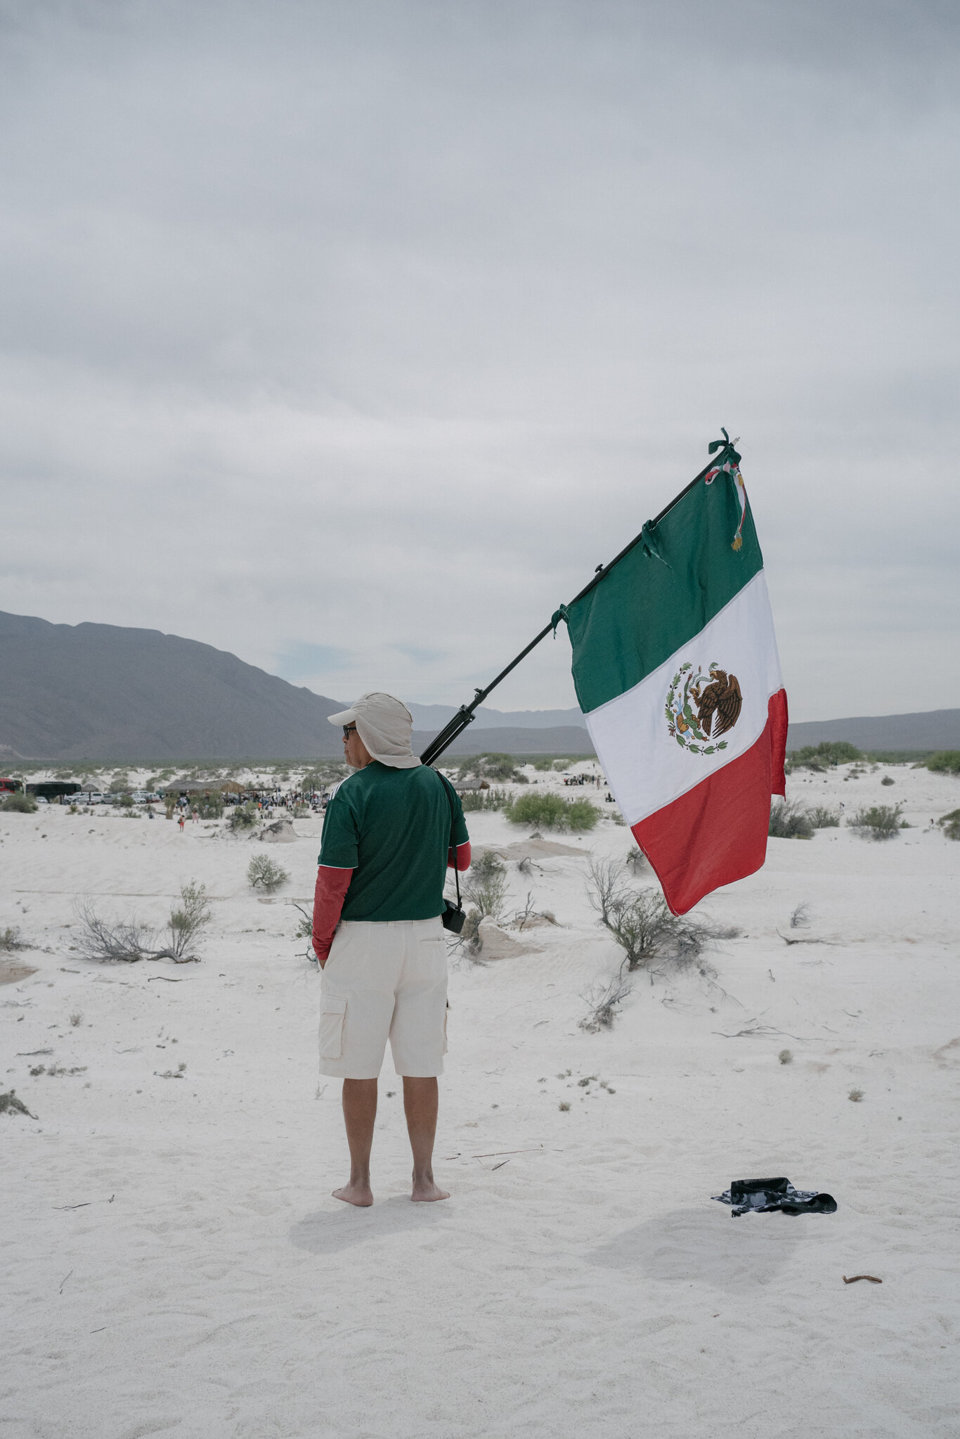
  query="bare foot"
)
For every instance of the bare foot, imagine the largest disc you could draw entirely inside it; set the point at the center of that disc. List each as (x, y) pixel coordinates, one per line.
(425, 1191)
(359, 1194)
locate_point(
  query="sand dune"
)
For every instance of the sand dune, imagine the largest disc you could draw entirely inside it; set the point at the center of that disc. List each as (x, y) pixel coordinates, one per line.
(175, 1265)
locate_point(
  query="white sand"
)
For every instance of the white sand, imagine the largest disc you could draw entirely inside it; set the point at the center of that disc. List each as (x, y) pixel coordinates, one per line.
(174, 1264)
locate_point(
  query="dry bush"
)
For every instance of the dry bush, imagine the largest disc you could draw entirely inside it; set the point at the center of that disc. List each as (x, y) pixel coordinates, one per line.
(604, 1000)
(607, 892)
(485, 885)
(105, 942)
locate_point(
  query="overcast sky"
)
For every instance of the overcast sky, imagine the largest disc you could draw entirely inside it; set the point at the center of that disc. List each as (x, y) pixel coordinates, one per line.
(351, 336)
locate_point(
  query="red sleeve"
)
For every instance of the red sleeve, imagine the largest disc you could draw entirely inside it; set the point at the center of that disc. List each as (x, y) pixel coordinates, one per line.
(328, 897)
(463, 856)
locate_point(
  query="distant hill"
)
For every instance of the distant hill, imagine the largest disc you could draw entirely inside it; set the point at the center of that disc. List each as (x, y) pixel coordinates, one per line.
(930, 730)
(113, 693)
(106, 692)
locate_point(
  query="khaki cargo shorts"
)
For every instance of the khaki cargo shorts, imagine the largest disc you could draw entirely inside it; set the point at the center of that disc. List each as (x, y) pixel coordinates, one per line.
(384, 981)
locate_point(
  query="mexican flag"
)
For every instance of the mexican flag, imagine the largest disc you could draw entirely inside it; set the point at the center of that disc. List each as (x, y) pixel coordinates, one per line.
(676, 670)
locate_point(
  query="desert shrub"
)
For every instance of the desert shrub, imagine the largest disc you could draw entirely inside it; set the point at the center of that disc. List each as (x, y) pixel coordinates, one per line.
(542, 811)
(642, 926)
(880, 821)
(551, 811)
(789, 821)
(264, 873)
(10, 940)
(822, 818)
(485, 885)
(187, 920)
(128, 941)
(19, 804)
(492, 766)
(582, 815)
(210, 806)
(823, 756)
(946, 761)
(950, 824)
(887, 779)
(242, 816)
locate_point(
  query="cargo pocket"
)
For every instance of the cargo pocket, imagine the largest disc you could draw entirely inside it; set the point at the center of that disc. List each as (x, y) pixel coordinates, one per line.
(333, 1011)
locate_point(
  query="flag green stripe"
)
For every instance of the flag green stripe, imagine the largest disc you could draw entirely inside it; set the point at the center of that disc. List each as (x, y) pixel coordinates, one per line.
(647, 608)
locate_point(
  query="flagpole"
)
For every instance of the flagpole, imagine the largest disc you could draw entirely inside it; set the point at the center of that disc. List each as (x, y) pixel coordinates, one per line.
(721, 451)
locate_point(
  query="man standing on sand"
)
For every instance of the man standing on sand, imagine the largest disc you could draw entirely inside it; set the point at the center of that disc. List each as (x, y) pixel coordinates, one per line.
(377, 933)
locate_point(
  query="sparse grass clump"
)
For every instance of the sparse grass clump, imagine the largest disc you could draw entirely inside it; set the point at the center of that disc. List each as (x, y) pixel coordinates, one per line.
(484, 799)
(823, 818)
(950, 824)
(10, 940)
(880, 821)
(551, 811)
(264, 873)
(789, 821)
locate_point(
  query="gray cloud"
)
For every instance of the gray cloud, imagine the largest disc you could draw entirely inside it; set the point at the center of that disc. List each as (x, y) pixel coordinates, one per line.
(375, 328)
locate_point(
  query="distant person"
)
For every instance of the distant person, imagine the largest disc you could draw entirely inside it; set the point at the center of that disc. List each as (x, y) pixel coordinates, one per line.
(377, 933)
(181, 821)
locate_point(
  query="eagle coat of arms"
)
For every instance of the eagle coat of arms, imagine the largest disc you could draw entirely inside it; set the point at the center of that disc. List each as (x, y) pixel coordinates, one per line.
(702, 706)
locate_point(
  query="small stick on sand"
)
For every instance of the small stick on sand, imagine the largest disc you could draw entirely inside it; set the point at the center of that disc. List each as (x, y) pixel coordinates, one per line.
(854, 1277)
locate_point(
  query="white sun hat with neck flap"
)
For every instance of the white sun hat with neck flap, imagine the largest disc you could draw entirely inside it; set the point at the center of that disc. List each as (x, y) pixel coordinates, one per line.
(385, 726)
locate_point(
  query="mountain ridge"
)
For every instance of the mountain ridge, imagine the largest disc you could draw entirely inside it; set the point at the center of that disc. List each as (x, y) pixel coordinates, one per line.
(116, 693)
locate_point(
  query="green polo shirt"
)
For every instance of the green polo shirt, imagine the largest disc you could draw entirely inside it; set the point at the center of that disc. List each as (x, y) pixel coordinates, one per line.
(392, 827)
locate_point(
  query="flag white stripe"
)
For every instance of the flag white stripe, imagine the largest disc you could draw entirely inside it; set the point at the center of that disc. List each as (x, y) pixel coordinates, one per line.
(646, 766)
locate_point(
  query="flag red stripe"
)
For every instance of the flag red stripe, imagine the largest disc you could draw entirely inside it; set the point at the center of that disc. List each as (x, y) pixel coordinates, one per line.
(717, 832)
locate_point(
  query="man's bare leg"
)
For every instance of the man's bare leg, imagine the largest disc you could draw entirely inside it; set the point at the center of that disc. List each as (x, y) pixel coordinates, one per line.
(420, 1103)
(359, 1113)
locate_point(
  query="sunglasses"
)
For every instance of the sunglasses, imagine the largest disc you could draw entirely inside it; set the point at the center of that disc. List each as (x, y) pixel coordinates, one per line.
(349, 729)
